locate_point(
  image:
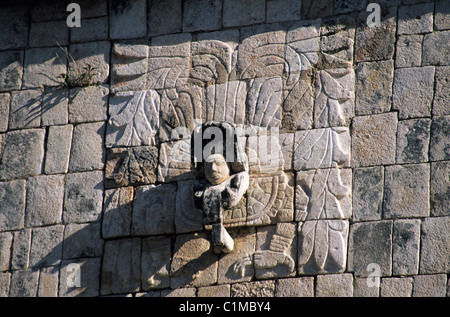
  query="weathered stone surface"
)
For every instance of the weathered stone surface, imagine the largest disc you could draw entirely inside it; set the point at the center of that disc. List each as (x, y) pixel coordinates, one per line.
(154, 210)
(14, 25)
(396, 287)
(131, 166)
(413, 138)
(48, 11)
(201, 15)
(264, 102)
(55, 106)
(406, 191)
(435, 246)
(214, 291)
(52, 33)
(44, 66)
(284, 10)
(87, 138)
(121, 267)
(440, 142)
(321, 148)
(95, 29)
(415, 19)
(226, 102)
(238, 13)
(83, 197)
(370, 242)
(24, 283)
(155, 267)
(164, 17)
(193, 262)
(21, 249)
(440, 188)
(362, 289)
(409, 51)
(82, 240)
(337, 42)
(23, 154)
(373, 139)
(175, 161)
(87, 104)
(188, 217)
(253, 289)
(45, 196)
(442, 14)
(6, 239)
(430, 285)
(58, 149)
(345, 6)
(374, 87)
(90, 63)
(405, 247)
(25, 111)
(4, 112)
(436, 48)
(264, 152)
(287, 150)
(179, 292)
(117, 212)
(46, 246)
(367, 193)
(88, 270)
(11, 70)
(5, 280)
(48, 282)
(312, 9)
(128, 19)
(295, 287)
(129, 67)
(334, 285)
(441, 92)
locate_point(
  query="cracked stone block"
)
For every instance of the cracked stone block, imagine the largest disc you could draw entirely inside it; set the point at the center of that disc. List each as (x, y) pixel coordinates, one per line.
(396, 287)
(87, 104)
(45, 196)
(413, 137)
(46, 246)
(334, 285)
(415, 19)
(370, 242)
(155, 266)
(55, 106)
(93, 29)
(367, 193)
(128, 19)
(406, 191)
(23, 154)
(21, 249)
(87, 138)
(25, 110)
(14, 26)
(409, 51)
(440, 189)
(374, 87)
(11, 70)
(405, 245)
(89, 270)
(436, 48)
(239, 13)
(374, 139)
(295, 287)
(59, 142)
(413, 91)
(440, 142)
(24, 283)
(44, 66)
(253, 289)
(4, 112)
(430, 285)
(83, 197)
(117, 211)
(442, 15)
(82, 240)
(121, 267)
(164, 17)
(52, 33)
(435, 246)
(6, 239)
(154, 209)
(48, 282)
(442, 92)
(202, 15)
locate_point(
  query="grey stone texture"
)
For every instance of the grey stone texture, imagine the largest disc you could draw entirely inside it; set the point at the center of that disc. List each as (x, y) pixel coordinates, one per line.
(435, 242)
(46, 246)
(57, 155)
(82, 240)
(52, 33)
(440, 188)
(367, 193)
(441, 21)
(415, 19)
(405, 247)
(88, 138)
(25, 110)
(334, 285)
(429, 285)
(284, 10)
(439, 141)
(396, 287)
(4, 111)
(93, 29)
(239, 13)
(295, 287)
(202, 15)
(6, 239)
(253, 289)
(11, 70)
(54, 110)
(164, 17)
(409, 51)
(88, 104)
(128, 19)
(44, 66)
(117, 212)
(89, 270)
(436, 48)
(24, 283)
(413, 139)
(442, 92)
(20, 253)
(14, 23)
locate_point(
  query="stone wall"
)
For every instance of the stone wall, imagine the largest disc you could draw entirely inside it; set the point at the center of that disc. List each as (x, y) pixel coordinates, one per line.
(94, 200)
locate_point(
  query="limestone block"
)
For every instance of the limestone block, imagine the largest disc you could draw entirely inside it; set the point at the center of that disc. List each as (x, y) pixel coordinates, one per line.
(44, 66)
(134, 118)
(154, 210)
(193, 262)
(374, 87)
(284, 10)
(48, 11)
(58, 149)
(21, 249)
(83, 197)
(93, 9)
(6, 239)
(396, 287)
(175, 161)
(202, 15)
(415, 19)
(55, 106)
(188, 217)
(239, 13)
(436, 49)
(295, 287)
(334, 285)
(345, 6)
(226, 102)
(121, 267)
(25, 110)
(180, 292)
(429, 285)
(11, 69)
(46, 246)
(87, 138)
(87, 104)
(439, 142)
(413, 137)
(253, 289)
(370, 242)
(362, 289)
(440, 188)
(24, 283)
(155, 267)
(129, 67)
(14, 26)
(5, 280)
(164, 17)
(128, 19)
(48, 282)
(287, 150)
(89, 270)
(94, 29)
(367, 193)
(45, 196)
(82, 240)
(435, 246)
(406, 191)
(117, 212)
(52, 33)
(441, 17)
(264, 151)
(442, 92)
(373, 139)
(409, 51)
(264, 102)
(23, 154)
(405, 245)
(337, 42)
(312, 9)
(214, 291)
(4, 112)
(321, 148)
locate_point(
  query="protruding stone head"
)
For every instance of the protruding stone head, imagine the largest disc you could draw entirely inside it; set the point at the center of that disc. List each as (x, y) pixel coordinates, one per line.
(216, 169)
